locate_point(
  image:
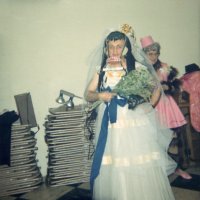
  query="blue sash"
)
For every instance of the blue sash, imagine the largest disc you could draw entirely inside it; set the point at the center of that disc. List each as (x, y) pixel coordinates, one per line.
(110, 114)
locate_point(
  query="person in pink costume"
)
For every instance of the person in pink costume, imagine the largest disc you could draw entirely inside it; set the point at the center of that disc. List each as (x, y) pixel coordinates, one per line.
(191, 84)
(168, 110)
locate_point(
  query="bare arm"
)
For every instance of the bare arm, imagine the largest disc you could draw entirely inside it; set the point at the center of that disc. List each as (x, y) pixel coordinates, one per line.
(155, 96)
(91, 93)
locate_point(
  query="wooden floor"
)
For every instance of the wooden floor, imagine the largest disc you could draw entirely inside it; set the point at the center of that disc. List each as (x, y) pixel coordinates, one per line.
(53, 193)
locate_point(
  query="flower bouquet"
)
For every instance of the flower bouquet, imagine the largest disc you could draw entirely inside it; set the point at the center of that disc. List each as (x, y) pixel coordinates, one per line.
(137, 84)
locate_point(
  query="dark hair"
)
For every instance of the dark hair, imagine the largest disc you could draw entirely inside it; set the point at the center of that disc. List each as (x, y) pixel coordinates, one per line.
(130, 60)
(191, 68)
(157, 65)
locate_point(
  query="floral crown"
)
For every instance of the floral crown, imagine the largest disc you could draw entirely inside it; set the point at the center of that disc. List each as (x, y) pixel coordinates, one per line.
(128, 30)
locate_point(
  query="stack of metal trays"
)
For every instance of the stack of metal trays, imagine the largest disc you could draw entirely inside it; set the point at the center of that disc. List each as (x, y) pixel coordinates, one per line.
(70, 146)
(23, 174)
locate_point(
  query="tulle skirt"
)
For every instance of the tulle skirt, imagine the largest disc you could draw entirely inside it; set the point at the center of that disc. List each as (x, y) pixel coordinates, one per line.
(135, 164)
(170, 113)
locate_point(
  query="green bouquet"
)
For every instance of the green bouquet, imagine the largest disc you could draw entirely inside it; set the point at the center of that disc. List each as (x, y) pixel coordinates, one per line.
(137, 82)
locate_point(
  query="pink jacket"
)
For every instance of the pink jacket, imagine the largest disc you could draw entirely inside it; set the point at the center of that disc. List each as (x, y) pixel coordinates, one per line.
(191, 84)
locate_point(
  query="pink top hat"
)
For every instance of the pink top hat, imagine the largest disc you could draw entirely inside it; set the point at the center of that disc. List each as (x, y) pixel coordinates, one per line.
(146, 41)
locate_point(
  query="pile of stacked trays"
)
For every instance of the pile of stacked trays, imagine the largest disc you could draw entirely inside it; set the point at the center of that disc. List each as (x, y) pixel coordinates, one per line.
(23, 174)
(69, 136)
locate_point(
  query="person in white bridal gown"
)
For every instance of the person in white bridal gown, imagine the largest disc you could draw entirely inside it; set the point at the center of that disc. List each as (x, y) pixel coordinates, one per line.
(130, 160)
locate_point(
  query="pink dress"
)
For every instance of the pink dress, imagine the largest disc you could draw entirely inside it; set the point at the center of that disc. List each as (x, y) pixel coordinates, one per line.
(168, 110)
(191, 84)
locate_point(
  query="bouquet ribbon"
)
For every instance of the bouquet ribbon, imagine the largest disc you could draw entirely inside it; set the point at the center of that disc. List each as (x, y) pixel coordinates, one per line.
(110, 114)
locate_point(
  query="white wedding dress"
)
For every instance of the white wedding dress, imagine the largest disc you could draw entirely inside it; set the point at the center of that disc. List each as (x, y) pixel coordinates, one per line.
(135, 163)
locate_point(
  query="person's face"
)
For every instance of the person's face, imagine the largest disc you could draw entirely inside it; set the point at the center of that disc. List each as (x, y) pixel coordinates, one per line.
(152, 56)
(115, 48)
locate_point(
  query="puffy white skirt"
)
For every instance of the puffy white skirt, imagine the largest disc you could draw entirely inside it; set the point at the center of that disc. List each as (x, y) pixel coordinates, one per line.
(135, 164)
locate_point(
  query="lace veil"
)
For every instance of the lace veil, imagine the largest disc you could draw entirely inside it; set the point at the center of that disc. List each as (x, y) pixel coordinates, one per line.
(95, 58)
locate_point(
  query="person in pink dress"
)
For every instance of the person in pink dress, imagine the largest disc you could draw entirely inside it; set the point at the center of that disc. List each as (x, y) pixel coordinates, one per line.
(168, 110)
(191, 84)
